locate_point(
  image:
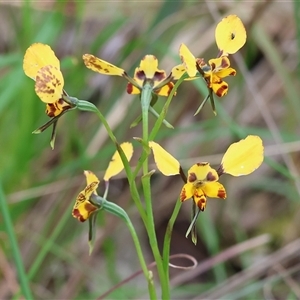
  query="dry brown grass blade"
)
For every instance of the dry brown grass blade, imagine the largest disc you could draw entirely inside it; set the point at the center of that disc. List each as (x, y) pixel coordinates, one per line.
(284, 254)
(223, 256)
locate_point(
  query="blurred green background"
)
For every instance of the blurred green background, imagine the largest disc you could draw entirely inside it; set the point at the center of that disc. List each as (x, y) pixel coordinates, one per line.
(248, 245)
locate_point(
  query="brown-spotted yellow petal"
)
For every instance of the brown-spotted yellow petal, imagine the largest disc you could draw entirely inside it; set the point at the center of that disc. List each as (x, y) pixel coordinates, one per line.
(90, 178)
(101, 66)
(116, 165)
(83, 208)
(165, 162)
(56, 108)
(202, 172)
(214, 190)
(187, 192)
(49, 84)
(243, 157)
(199, 198)
(37, 56)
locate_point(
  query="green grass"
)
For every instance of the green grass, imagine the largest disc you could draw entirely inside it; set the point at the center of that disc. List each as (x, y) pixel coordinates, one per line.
(41, 241)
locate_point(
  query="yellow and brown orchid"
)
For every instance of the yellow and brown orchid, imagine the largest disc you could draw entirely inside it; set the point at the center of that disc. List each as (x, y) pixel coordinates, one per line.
(41, 64)
(241, 158)
(147, 71)
(86, 201)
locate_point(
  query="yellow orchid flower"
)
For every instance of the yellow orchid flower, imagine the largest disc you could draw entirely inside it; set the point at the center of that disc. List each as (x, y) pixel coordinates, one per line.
(147, 71)
(41, 65)
(83, 207)
(241, 158)
(85, 204)
(218, 69)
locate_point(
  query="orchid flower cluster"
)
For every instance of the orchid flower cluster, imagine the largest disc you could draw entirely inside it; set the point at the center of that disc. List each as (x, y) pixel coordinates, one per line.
(150, 82)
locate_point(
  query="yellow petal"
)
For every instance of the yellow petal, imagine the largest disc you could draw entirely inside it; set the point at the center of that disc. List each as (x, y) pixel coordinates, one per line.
(90, 177)
(187, 192)
(214, 190)
(178, 71)
(116, 165)
(230, 34)
(202, 172)
(149, 66)
(37, 56)
(101, 66)
(165, 90)
(243, 157)
(200, 198)
(56, 108)
(165, 162)
(132, 90)
(83, 208)
(219, 86)
(188, 60)
(49, 84)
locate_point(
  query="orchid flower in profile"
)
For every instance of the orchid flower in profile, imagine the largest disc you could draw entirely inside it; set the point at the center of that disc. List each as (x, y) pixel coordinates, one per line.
(230, 35)
(241, 158)
(41, 64)
(88, 202)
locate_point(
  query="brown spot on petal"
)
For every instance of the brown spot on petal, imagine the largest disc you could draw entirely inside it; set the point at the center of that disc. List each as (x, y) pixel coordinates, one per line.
(211, 177)
(232, 36)
(183, 195)
(76, 214)
(159, 76)
(140, 75)
(129, 88)
(192, 177)
(221, 193)
(222, 91)
(202, 164)
(224, 63)
(213, 66)
(201, 203)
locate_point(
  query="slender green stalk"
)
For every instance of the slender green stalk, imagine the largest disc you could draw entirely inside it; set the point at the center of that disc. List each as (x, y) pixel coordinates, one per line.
(168, 236)
(150, 225)
(158, 123)
(120, 212)
(22, 276)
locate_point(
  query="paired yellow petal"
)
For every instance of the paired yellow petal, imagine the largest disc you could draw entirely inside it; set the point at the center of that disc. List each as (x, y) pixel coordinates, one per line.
(116, 165)
(188, 60)
(214, 190)
(165, 162)
(243, 157)
(101, 66)
(37, 56)
(49, 84)
(230, 34)
(187, 192)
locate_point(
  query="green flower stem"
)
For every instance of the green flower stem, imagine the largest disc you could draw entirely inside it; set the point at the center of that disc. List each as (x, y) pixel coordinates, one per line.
(22, 276)
(150, 225)
(88, 106)
(120, 212)
(167, 239)
(158, 123)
